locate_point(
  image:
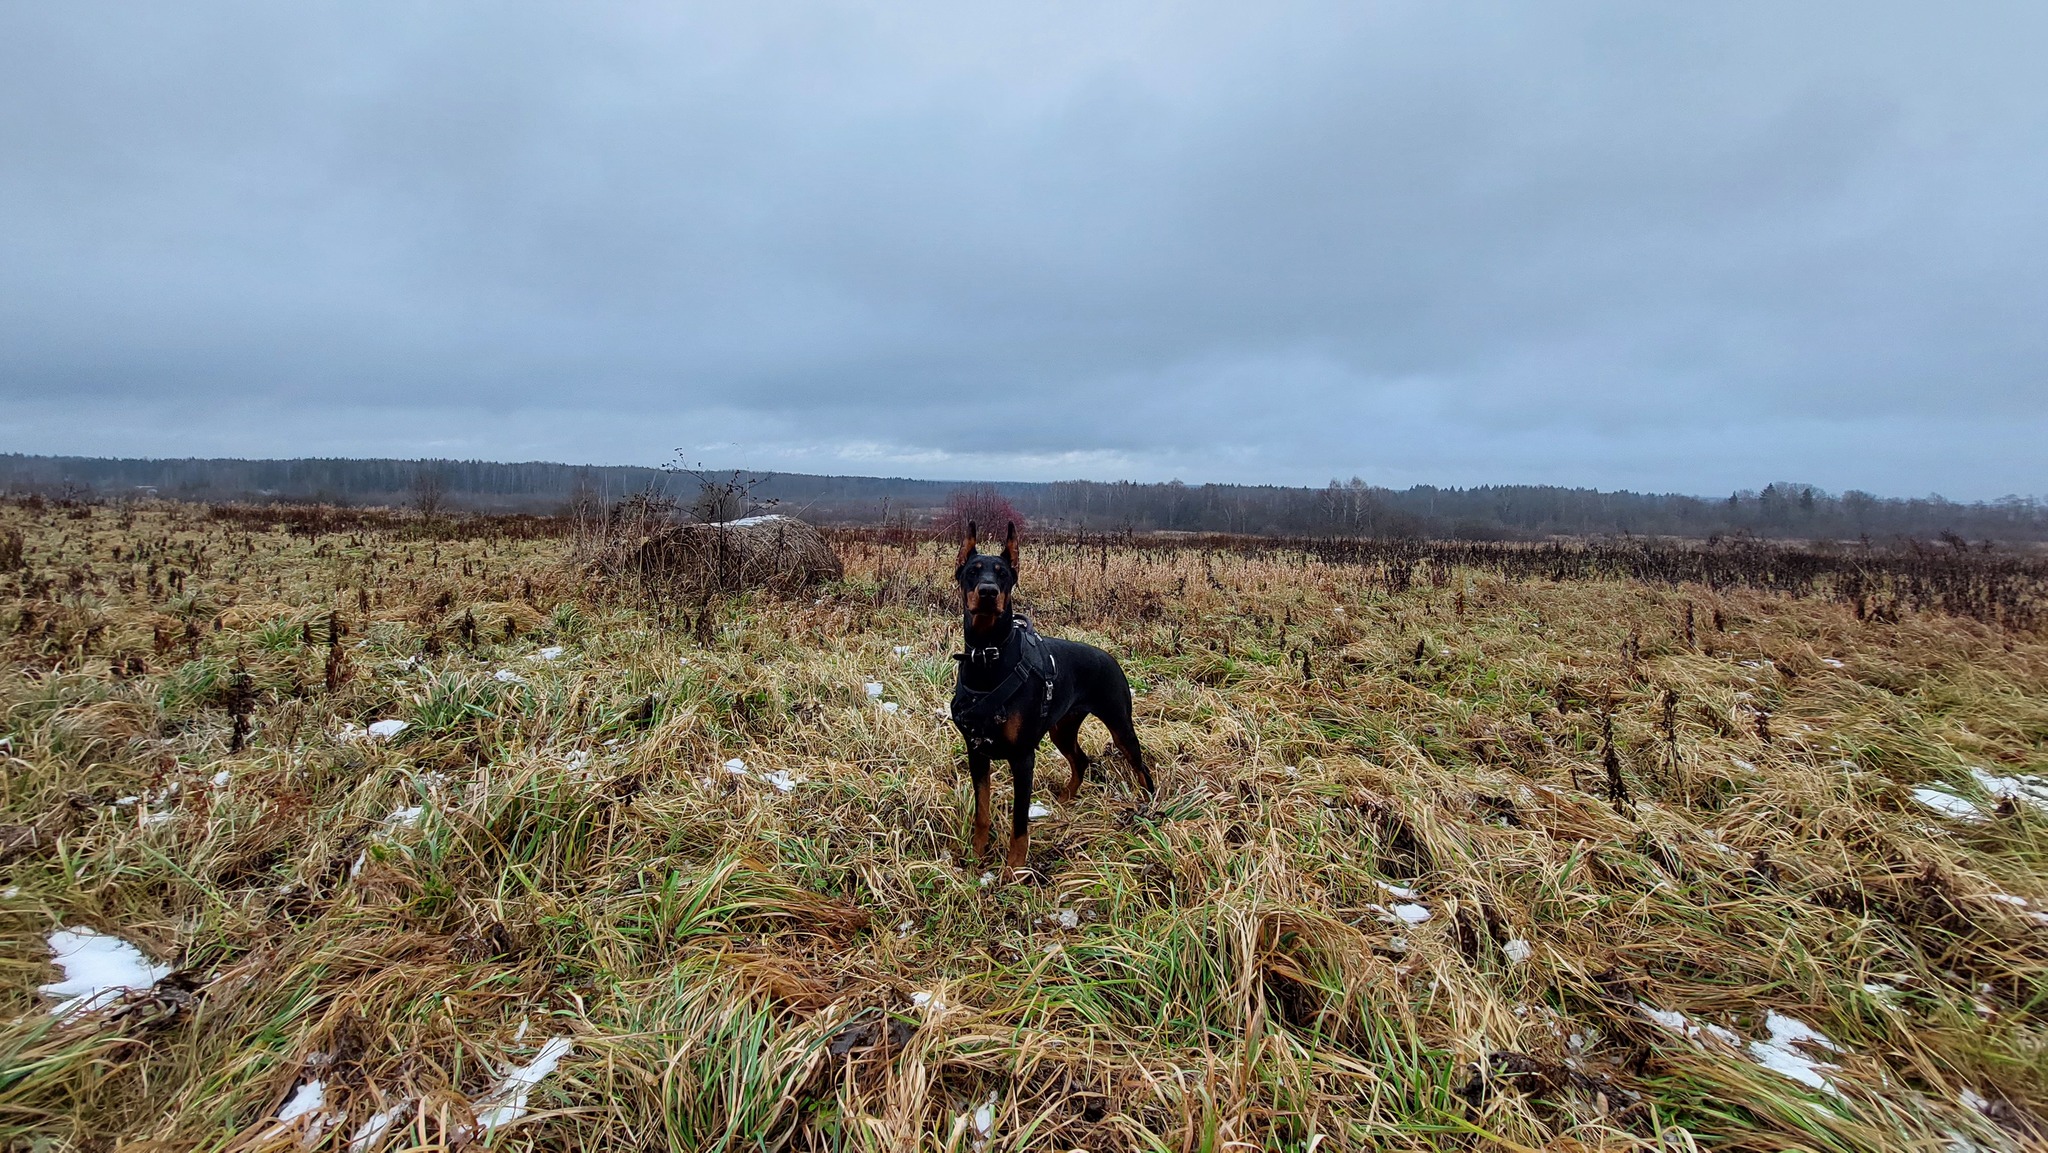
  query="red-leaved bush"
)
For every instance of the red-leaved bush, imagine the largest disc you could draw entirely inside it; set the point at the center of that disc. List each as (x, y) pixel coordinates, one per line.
(982, 504)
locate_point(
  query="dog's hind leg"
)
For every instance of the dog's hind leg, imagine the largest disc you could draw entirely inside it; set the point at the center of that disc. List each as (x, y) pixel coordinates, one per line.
(1125, 735)
(1114, 708)
(1066, 737)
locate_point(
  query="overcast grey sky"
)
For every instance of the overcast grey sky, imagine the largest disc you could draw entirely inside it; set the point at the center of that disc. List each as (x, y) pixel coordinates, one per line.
(1657, 246)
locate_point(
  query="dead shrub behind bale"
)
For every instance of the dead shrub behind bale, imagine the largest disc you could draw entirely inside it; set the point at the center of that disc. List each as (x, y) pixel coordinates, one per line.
(780, 554)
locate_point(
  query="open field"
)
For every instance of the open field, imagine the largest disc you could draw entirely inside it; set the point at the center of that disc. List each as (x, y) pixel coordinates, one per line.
(1442, 857)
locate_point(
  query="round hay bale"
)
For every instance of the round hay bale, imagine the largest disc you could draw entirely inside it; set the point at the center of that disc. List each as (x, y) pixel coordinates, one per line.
(779, 553)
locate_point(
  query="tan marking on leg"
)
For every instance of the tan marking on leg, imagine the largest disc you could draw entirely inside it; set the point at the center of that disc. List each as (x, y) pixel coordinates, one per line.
(1066, 737)
(981, 818)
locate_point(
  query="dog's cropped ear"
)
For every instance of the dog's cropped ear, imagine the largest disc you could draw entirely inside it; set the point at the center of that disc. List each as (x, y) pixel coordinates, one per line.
(966, 547)
(1010, 547)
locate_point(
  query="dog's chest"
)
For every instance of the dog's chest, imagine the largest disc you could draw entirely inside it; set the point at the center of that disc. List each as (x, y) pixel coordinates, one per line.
(998, 710)
(986, 722)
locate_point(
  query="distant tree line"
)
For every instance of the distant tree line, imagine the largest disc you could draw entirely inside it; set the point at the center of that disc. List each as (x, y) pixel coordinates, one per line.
(1525, 512)
(1341, 508)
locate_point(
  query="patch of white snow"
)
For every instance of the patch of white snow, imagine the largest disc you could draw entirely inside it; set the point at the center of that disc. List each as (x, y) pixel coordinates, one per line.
(1780, 1053)
(2024, 789)
(506, 1102)
(370, 1133)
(984, 1120)
(310, 1096)
(306, 1111)
(1948, 804)
(1679, 1023)
(97, 968)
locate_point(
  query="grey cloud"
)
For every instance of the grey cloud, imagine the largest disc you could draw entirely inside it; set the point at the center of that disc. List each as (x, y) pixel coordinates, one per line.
(1690, 248)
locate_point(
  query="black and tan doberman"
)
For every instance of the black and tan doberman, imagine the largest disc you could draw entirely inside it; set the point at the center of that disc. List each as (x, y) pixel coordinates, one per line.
(1017, 687)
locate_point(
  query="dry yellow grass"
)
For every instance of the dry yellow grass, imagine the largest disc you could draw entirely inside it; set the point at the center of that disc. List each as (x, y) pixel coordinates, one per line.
(738, 966)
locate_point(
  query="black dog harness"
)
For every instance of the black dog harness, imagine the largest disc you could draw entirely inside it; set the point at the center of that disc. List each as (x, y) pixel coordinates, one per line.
(978, 715)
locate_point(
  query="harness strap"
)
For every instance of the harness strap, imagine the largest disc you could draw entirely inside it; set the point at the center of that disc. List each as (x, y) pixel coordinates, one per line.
(974, 712)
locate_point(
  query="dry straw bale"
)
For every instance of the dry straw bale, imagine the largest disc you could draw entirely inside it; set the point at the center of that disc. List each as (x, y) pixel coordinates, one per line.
(778, 553)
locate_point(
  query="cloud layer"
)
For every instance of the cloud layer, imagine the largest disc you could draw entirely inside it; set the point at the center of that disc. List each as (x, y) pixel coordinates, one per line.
(1659, 247)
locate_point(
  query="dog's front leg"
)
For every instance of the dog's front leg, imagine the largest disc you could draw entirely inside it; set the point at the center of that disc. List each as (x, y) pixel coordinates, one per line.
(978, 768)
(1020, 811)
